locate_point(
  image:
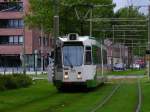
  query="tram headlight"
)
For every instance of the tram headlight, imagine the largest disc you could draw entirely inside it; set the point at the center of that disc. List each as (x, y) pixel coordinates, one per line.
(66, 75)
(79, 75)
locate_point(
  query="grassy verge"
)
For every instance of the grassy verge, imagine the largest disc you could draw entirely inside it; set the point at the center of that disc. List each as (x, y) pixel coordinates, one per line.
(128, 72)
(13, 99)
(89, 100)
(14, 81)
(124, 100)
(43, 97)
(146, 95)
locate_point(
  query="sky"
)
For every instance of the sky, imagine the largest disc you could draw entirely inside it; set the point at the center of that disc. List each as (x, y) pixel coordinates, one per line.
(123, 3)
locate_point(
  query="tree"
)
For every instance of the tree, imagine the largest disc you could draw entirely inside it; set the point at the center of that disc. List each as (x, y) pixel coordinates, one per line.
(41, 14)
(70, 23)
(132, 12)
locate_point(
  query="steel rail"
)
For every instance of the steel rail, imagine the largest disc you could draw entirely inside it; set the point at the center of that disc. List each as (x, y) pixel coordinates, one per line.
(107, 98)
(127, 38)
(138, 108)
(135, 46)
(120, 30)
(118, 19)
(130, 25)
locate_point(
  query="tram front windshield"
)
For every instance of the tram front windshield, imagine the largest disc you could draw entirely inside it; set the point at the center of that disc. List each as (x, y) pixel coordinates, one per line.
(73, 55)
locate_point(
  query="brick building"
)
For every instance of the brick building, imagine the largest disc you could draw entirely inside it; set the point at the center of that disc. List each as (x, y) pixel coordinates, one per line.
(13, 34)
(118, 52)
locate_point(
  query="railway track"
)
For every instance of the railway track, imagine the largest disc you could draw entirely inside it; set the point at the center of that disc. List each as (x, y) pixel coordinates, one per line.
(138, 107)
(114, 90)
(106, 98)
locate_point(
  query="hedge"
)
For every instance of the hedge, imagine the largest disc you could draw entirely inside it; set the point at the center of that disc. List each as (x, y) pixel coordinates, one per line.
(14, 81)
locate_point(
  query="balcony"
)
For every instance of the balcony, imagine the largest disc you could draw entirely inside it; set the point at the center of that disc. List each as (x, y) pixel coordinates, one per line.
(11, 10)
(10, 49)
(8, 15)
(11, 31)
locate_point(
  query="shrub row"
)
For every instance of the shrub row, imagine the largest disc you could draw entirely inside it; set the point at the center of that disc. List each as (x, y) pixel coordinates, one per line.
(14, 81)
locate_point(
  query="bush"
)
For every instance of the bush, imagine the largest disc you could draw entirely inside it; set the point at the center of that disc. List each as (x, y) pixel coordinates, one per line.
(14, 81)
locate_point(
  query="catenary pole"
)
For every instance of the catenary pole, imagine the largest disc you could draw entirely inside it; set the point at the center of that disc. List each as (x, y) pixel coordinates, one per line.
(55, 25)
(148, 41)
(56, 19)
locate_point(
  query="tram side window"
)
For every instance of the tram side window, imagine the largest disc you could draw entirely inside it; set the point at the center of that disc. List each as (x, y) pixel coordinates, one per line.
(88, 56)
(104, 56)
(96, 55)
(58, 58)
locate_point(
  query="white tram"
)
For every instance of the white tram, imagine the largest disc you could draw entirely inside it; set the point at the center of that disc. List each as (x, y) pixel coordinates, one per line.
(79, 60)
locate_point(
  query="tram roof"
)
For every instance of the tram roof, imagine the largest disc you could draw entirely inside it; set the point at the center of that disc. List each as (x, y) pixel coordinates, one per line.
(87, 40)
(80, 38)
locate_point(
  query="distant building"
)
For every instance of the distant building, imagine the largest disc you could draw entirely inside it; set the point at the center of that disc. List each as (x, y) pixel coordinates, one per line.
(13, 35)
(117, 53)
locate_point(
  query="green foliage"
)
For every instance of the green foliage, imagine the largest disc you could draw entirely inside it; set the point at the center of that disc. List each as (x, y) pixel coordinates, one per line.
(14, 81)
(70, 23)
(132, 12)
(41, 15)
(96, 55)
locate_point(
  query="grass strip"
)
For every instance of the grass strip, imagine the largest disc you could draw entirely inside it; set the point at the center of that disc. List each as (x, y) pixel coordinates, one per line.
(128, 72)
(124, 100)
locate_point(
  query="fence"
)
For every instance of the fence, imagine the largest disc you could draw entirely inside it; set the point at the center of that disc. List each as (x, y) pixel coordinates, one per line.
(12, 70)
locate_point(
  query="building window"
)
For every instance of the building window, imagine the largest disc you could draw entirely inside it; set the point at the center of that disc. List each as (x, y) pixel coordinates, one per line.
(11, 23)
(15, 40)
(46, 41)
(20, 39)
(11, 6)
(40, 41)
(21, 23)
(4, 40)
(16, 23)
(11, 39)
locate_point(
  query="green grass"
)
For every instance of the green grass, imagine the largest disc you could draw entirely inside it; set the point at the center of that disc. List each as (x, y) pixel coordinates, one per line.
(88, 101)
(43, 97)
(124, 100)
(146, 96)
(16, 98)
(128, 72)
